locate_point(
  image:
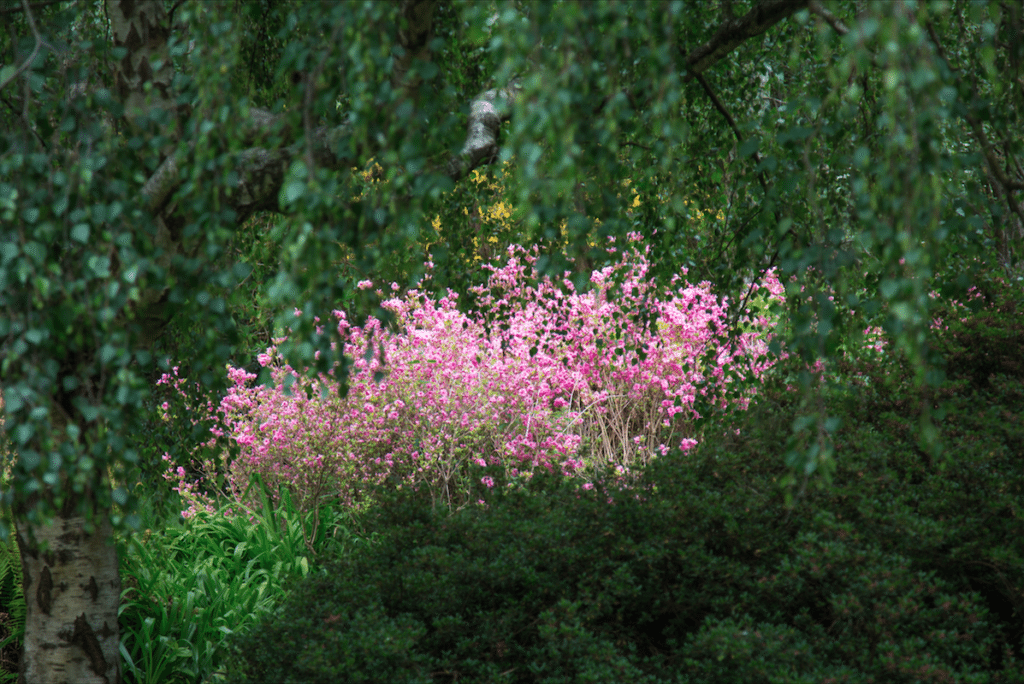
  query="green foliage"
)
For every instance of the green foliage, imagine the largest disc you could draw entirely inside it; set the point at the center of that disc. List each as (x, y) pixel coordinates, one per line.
(12, 609)
(262, 41)
(462, 51)
(857, 152)
(870, 155)
(75, 235)
(988, 342)
(904, 569)
(190, 586)
(80, 259)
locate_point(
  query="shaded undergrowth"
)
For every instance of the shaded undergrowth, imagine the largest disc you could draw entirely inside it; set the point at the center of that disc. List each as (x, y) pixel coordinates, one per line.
(907, 567)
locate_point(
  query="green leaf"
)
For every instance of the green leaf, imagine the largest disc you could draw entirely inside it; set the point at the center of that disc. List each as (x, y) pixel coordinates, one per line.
(107, 353)
(12, 401)
(8, 252)
(36, 251)
(292, 192)
(22, 434)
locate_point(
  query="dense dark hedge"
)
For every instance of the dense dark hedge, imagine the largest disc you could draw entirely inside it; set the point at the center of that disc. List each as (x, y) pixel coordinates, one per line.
(906, 568)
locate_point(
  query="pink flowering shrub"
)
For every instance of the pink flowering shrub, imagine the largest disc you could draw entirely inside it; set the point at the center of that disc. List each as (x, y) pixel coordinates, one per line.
(188, 485)
(539, 376)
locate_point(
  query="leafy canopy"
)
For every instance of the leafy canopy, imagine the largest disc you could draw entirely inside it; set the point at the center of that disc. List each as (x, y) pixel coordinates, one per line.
(866, 154)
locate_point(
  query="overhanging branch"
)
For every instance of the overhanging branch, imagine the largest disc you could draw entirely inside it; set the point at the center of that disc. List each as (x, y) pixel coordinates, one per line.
(261, 170)
(731, 34)
(832, 20)
(27, 6)
(720, 106)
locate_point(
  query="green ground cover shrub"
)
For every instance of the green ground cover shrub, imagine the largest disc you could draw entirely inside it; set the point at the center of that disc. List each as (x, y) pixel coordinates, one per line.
(12, 599)
(906, 567)
(187, 586)
(12, 609)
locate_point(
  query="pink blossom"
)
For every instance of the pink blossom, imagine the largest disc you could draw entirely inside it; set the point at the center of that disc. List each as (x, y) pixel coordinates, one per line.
(538, 391)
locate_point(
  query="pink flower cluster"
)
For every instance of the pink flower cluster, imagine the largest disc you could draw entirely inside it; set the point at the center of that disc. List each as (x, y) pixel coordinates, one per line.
(538, 376)
(187, 487)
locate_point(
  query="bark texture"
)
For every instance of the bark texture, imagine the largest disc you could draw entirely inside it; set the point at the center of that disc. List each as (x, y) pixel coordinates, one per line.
(141, 27)
(486, 115)
(414, 33)
(72, 592)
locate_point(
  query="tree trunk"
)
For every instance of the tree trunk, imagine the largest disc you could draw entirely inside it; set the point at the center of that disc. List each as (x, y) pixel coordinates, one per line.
(72, 593)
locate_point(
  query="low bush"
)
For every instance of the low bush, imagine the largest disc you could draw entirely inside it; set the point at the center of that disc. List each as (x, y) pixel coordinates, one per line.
(541, 376)
(905, 568)
(188, 586)
(12, 609)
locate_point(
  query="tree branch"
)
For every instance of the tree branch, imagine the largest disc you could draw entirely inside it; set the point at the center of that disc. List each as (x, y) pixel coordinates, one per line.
(143, 32)
(40, 42)
(486, 114)
(261, 170)
(832, 20)
(720, 106)
(938, 46)
(998, 174)
(260, 127)
(732, 33)
(14, 9)
(994, 167)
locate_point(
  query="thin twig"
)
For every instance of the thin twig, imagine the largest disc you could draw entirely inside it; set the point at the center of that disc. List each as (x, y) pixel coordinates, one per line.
(35, 49)
(633, 144)
(720, 106)
(837, 25)
(938, 46)
(15, 10)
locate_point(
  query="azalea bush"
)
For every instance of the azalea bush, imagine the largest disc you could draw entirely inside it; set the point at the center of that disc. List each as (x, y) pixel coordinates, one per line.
(540, 375)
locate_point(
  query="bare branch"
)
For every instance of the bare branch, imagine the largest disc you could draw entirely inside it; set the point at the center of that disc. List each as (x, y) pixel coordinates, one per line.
(720, 106)
(832, 20)
(40, 42)
(261, 170)
(762, 17)
(14, 9)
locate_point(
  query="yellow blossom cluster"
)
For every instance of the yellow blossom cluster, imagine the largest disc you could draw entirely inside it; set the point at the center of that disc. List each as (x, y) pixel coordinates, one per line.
(491, 220)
